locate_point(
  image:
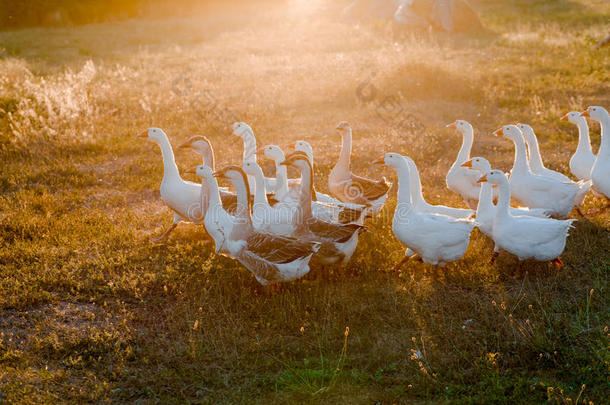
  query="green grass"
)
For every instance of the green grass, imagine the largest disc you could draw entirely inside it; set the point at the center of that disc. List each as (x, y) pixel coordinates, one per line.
(91, 311)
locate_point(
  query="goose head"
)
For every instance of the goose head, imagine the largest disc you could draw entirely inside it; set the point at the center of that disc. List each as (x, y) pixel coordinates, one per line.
(202, 171)
(596, 113)
(199, 144)
(511, 132)
(304, 146)
(252, 168)
(525, 129)
(241, 129)
(153, 134)
(493, 177)
(478, 163)
(574, 117)
(461, 125)
(234, 174)
(298, 160)
(395, 160)
(343, 128)
(272, 152)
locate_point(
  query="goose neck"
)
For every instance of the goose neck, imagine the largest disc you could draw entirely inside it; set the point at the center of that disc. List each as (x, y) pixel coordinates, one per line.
(208, 158)
(604, 148)
(535, 160)
(584, 141)
(485, 197)
(306, 193)
(243, 200)
(249, 145)
(281, 176)
(417, 196)
(404, 184)
(170, 170)
(260, 196)
(467, 140)
(213, 192)
(346, 150)
(520, 163)
(503, 199)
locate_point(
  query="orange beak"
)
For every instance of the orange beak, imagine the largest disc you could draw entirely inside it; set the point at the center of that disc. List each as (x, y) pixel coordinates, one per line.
(586, 113)
(143, 134)
(516, 123)
(564, 118)
(191, 170)
(289, 146)
(467, 164)
(184, 145)
(453, 125)
(380, 161)
(499, 132)
(483, 179)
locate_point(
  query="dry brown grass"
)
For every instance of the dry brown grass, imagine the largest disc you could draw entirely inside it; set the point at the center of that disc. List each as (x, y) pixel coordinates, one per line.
(92, 312)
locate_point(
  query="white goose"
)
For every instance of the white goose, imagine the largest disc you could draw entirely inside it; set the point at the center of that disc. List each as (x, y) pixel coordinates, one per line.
(243, 130)
(535, 191)
(339, 241)
(525, 236)
(305, 147)
(348, 187)
(335, 211)
(202, 145)
(600, 172)
(267, 218)
(284, 187)
(420, 204)
(271, 258)
(438, 239)
(182, 197)
(461, 180)
(486, 210)
(583, 159)
(535, 159)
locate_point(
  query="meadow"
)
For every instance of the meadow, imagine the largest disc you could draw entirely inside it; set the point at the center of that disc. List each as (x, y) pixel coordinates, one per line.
(92, 311)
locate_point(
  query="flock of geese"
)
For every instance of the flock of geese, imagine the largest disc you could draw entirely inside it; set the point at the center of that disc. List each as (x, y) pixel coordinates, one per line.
(274, 226)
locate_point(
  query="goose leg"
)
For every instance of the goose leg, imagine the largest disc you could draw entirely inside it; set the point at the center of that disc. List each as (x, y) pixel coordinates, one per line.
(162, 237)
(401, 263)
(557, 262)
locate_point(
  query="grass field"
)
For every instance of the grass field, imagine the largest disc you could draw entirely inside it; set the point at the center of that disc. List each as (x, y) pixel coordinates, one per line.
(92, 311)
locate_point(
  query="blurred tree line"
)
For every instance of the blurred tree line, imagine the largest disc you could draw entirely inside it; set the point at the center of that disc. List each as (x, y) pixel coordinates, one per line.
(34, 13)
(27, 13)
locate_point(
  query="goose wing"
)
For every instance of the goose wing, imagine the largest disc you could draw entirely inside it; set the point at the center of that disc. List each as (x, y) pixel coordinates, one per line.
(340, 233)
(534, 231)
(555, 188)
(280, 249)
(370, 189)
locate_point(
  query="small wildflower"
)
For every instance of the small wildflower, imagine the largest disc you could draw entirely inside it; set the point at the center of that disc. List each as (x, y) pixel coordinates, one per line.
(196, 324)
(591, 292)
(346, 331)
(413, 339)
(530, 306)
(493, 302)
(606, 329)
(302, 329)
